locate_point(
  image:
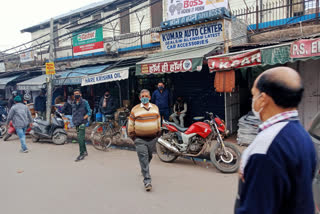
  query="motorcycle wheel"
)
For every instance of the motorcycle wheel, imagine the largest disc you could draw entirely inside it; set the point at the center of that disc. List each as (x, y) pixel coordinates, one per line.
(59, 138)
(225, 163)
(164, 154)
(6, 136)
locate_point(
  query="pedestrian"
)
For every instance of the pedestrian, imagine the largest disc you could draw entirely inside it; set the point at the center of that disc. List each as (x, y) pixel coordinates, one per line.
(179, 110)
(21, 118)
(277, 169)
(144, 128)
(40, 104)
(67, 109)
(80, 113)
(11, 100)
(161, 97)
(107, 105)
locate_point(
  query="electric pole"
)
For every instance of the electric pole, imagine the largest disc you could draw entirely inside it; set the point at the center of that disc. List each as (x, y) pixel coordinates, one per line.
(49, 77)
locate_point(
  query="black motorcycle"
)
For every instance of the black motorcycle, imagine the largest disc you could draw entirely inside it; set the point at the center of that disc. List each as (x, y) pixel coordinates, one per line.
(54, 131)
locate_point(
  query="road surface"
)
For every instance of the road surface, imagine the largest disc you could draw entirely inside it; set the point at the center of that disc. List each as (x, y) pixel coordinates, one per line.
(48, 181)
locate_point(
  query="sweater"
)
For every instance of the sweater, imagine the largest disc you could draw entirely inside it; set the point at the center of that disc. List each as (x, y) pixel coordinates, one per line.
(276, 172)
(20, 116)
(144, 122)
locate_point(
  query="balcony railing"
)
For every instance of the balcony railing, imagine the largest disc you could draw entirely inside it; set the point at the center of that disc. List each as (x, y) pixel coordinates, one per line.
(278, 13)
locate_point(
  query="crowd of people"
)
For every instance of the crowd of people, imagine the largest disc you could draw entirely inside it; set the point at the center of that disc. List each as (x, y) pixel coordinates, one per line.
(276, 170)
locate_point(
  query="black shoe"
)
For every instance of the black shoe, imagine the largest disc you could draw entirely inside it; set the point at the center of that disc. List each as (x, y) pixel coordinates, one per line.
(148, 187)
(85, 154)
(79, 158)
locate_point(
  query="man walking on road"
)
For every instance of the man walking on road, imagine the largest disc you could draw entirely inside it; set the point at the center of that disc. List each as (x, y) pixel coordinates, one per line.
(277, 169)
(144, 128)
(161, 97)
(21, 118)
(80, 113)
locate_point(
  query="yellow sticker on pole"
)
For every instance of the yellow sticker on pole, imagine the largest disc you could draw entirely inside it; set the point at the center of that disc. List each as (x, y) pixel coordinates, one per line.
(50, 68)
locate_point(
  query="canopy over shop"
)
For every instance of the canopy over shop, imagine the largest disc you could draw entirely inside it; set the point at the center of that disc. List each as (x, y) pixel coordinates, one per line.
(195, 87)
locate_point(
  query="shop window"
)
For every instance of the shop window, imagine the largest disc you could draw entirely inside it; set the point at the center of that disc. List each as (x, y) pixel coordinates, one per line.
(125, 22)
(156, 13)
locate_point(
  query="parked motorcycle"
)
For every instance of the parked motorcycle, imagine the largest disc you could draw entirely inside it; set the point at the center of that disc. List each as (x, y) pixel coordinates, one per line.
(11, 131)
(193, 141)
(54, 130)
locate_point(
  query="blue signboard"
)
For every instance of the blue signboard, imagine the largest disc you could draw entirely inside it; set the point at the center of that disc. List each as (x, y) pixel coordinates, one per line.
(218, 13)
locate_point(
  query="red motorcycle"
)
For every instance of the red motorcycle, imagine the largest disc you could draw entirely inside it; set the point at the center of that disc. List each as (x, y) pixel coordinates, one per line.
(193, 142)
(11, 131)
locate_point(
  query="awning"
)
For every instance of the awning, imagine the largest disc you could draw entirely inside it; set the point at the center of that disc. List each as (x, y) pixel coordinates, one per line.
(4, 81)
(114, 74)
(74, 76)
(34, 84)
(189, 59)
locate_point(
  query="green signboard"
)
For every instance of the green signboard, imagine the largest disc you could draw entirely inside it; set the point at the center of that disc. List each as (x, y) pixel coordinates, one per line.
(87, 36)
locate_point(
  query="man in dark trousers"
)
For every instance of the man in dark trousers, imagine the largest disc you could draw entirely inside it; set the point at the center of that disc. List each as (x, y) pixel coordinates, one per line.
(161, 97)
(40, 104)
(277, 169)
(80, 113)
(107, 105)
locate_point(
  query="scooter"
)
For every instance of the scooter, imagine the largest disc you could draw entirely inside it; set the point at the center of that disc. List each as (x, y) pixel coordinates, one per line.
(11, 131)
(54, 131)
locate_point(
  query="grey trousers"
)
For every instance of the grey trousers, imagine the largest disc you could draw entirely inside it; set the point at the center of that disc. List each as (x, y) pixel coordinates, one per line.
(144, 150)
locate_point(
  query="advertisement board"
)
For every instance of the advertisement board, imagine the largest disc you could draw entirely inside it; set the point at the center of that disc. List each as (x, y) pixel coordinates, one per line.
(27, 57)
(181, 8)
(305, 48)
(167, 67)
(88, 41)
(194, 36)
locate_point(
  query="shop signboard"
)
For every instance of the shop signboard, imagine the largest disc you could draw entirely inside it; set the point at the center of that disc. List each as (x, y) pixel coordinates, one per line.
(238, 61)
(181, 8)
(168, 67)
(2, 67)
(88, 41)
(27, 57)
(217, 13)
(194, 36)
(50, 69)
(105, 77)
(305, 48)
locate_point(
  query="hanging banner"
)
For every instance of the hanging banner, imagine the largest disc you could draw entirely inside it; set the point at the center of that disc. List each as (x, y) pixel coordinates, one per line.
(305, 48)
(195, 36)
(108, 76)
(167, 67)
(27, 57)
(238, 61)
(180, 8)
(50, 69)
(88, 41)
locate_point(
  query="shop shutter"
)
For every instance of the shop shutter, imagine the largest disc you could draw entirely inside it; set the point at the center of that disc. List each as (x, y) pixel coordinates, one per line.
(224, 81)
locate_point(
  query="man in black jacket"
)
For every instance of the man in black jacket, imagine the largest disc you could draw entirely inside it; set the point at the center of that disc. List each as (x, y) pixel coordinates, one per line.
(67, 109)
(107, 105)
(40, 104)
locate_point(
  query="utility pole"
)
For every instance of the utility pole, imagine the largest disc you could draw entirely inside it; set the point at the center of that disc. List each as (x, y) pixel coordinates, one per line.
(49, 77)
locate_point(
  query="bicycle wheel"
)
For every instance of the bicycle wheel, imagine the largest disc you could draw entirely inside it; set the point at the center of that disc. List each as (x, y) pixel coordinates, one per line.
(98, 135)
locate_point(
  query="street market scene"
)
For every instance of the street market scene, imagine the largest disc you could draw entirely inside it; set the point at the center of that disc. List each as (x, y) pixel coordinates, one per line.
(161, 106)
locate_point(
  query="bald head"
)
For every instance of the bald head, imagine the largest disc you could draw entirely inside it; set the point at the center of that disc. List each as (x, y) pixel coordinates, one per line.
(283, 85)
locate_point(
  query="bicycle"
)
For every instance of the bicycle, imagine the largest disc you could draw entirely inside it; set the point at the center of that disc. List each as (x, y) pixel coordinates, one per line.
(105, 133)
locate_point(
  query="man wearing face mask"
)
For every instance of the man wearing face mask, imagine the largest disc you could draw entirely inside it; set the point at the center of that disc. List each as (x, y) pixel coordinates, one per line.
(80, 113)
(277, 169)
(107, 105)
(180, 109)
(144, 128)
(161, 97)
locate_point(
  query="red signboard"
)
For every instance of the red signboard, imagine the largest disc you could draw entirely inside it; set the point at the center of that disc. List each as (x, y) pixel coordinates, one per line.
(87, 48)
(238, 61)
(305, 48)
(167, 67)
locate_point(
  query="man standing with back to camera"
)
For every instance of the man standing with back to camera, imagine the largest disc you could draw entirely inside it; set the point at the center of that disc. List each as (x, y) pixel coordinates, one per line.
(277, 169)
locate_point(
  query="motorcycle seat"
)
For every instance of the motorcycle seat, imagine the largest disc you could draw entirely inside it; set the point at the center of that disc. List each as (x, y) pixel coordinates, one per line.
(43, 122)
(178, 127)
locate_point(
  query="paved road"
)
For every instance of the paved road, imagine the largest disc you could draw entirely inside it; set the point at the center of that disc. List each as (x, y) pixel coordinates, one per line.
(48, 181)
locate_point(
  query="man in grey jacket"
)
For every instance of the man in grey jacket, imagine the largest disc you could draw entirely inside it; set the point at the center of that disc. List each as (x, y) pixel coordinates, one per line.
(21, 119)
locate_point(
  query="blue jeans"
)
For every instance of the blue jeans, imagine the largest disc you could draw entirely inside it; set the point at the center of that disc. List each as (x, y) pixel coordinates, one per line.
(21, 132)
(70, 120)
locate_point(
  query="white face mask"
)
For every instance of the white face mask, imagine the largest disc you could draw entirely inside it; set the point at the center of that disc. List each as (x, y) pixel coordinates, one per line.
(256, 113)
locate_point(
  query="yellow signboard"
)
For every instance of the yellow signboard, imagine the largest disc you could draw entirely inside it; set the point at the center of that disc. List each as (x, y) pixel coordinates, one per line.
(50, 68)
